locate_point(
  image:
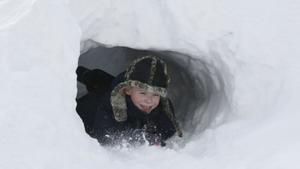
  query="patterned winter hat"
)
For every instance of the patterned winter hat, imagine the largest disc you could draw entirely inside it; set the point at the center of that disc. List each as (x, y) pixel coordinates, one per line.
(149, 73)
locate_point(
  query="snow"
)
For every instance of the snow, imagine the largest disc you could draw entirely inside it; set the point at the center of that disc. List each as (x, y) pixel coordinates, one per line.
(255, 45)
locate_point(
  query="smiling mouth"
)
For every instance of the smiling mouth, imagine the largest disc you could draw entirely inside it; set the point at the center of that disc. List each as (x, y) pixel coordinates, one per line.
(146, 108)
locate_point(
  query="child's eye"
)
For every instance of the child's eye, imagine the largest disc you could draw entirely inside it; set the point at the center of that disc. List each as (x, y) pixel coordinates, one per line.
(143, 93)
(156, 95)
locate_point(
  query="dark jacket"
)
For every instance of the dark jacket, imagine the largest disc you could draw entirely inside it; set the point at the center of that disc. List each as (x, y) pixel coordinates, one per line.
(96, 112)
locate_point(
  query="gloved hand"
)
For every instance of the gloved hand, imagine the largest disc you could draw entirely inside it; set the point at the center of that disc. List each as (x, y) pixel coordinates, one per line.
(152, 135)
(96, 81)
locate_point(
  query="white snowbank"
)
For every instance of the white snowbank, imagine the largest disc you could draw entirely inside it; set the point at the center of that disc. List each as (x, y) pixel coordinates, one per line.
(256, 41)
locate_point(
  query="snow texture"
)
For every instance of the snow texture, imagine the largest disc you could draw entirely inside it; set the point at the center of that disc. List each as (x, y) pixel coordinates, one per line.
(252, 46)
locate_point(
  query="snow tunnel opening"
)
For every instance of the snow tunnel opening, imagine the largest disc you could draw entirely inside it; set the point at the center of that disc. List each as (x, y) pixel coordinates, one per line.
(198, 89)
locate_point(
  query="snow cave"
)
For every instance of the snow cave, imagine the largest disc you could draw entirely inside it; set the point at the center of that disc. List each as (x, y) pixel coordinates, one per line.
(197, 88)
(235, 80)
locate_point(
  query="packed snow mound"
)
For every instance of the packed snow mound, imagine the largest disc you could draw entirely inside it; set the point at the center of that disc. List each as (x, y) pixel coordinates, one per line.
(12, 11)
(253, 46)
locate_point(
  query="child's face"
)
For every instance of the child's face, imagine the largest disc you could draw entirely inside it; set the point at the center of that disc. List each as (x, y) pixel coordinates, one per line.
(144, 100)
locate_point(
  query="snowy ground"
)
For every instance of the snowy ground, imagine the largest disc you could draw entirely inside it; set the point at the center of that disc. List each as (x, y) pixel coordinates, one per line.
(257, 42)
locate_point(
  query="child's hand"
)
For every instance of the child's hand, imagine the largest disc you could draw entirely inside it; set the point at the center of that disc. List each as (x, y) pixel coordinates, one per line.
(96, 80)
(150, 127)
(151, 134)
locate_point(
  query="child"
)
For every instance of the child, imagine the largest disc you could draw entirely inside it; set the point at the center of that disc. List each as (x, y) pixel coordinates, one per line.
(133, 106)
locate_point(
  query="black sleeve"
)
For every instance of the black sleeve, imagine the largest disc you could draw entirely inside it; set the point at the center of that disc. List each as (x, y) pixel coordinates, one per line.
(105, 127)
(86, 108)
(97, 119)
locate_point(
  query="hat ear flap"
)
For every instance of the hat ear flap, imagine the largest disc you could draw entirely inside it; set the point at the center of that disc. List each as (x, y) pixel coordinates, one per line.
(118, 102)
(169, 110)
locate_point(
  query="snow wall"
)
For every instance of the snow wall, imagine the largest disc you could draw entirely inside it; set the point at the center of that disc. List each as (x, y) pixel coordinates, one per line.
(248, 52)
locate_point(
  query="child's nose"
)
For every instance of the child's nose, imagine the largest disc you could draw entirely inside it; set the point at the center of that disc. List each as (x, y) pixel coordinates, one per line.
(149, 99)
